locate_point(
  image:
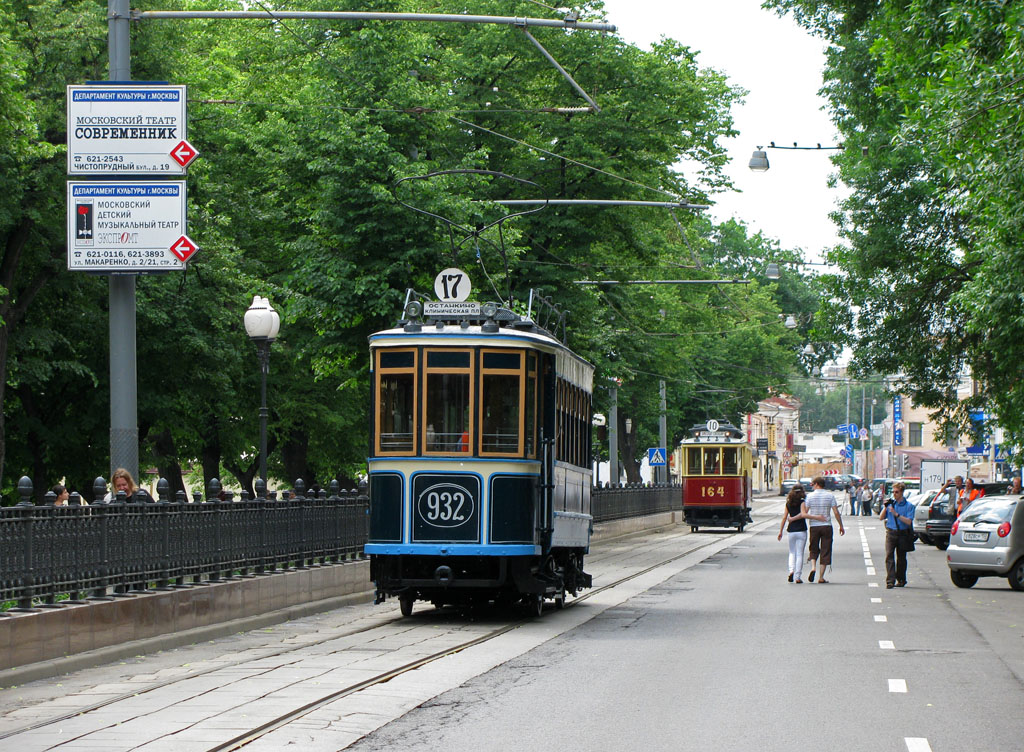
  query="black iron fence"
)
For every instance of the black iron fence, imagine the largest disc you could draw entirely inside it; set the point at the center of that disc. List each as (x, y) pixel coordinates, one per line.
(634, 500)
(125, 545)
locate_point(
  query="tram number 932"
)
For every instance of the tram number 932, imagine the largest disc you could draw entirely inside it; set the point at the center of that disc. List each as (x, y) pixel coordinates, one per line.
(445, 506)
(712, 491)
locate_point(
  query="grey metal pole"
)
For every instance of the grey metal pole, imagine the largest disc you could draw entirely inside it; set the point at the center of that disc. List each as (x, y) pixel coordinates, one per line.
(271, 15)
(263, 350)
(863, 405)
(613, 439)
(871, 440)
(663, 432)
(848, 462)
(124, 421)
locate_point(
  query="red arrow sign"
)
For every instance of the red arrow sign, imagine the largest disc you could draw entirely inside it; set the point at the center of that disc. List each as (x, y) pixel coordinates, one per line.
(183, 248)
(184, 153)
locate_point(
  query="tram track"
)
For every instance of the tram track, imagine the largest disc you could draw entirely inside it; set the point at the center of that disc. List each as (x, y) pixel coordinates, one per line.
(294, 714)
(284, 719)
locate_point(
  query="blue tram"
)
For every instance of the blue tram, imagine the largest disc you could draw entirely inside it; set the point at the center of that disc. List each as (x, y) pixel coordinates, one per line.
(479, 467)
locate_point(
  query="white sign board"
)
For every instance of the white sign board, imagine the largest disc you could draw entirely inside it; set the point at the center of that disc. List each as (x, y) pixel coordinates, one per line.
(452, 286)
(126, 227)
(437, 309)
(116, 129)
(936, 472)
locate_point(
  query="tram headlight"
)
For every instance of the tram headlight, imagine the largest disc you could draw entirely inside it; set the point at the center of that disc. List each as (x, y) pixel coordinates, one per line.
(489, 310)
(414, 309)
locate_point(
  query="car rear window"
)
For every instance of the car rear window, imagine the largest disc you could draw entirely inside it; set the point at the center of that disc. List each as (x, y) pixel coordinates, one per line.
(994, 510)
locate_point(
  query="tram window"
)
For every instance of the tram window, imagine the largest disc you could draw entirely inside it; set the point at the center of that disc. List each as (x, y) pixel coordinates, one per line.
(449, 394)
(443, 359)
(501, 403)
(396, 401)
(397, 359)
(712, 456)
(507, 361)
(693, 461)
(395, 421)
(730, 461)
(530, 429)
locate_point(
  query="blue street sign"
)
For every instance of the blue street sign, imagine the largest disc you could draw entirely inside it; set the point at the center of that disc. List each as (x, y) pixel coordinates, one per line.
(656, 457)
(852, 430)
(843, 427)
(848, 448)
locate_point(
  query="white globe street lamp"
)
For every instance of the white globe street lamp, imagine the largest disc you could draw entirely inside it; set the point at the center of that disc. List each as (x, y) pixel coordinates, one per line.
(262, 324)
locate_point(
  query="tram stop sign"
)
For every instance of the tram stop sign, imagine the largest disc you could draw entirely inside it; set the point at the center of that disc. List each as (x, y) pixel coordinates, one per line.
(656, 457)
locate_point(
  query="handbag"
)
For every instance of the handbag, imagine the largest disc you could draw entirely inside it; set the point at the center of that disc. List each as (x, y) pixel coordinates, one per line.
(905, 537)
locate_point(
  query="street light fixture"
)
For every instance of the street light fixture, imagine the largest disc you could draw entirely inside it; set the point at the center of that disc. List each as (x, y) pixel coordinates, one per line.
(759, 159)
(262, 324)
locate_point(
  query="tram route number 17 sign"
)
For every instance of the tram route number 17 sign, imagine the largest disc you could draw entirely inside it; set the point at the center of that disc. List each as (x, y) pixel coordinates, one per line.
(127, 227)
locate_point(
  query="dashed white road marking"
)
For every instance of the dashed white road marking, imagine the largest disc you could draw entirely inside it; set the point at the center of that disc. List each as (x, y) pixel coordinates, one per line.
(876, 600)
(881, 617)
(872, 584)
(886, 645)
(917, 744)
(897, 685)
(871, 570)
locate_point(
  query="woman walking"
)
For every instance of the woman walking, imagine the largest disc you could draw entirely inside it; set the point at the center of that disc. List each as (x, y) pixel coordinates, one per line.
(797, 516)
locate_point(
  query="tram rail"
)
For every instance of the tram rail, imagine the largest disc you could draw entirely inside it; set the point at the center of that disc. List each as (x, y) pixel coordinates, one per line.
(379, 623)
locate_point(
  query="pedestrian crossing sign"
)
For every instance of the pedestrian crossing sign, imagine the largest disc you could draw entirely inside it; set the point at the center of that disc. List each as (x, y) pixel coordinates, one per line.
(656, 456)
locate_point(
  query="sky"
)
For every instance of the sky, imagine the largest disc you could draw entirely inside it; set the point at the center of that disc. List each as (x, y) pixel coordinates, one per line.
(780, 65)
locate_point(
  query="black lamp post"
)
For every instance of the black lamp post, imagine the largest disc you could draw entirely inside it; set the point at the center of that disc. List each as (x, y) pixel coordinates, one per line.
(262, 323)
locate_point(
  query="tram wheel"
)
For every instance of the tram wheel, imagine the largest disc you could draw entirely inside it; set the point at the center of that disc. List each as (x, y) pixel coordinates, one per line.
(560, 601)
(536, 603)
(693, 528)
(405, 604)
(740, 528)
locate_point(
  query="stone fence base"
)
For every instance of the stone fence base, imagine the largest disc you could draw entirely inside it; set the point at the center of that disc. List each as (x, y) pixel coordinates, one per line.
(50, 642)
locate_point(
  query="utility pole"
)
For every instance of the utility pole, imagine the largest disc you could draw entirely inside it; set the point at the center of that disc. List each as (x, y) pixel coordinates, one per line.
(850, 461)
(124, 419)
(613, 438)
(663, 432)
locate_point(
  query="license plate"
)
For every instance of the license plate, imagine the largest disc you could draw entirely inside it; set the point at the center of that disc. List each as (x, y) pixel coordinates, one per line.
(970, 537)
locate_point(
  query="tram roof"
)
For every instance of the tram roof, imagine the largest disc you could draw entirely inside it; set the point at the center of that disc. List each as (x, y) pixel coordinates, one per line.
(510, 332)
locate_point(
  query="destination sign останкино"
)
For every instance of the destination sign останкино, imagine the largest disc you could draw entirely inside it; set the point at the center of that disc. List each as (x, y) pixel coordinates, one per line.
(121, 129)
(125, 227)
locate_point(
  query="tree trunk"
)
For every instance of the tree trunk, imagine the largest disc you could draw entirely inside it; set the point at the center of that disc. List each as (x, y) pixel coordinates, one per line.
(10, 314)
(36, 446)
(5, 333)
(295, 454)
(167, 462)
(627, 448)
(210, 456)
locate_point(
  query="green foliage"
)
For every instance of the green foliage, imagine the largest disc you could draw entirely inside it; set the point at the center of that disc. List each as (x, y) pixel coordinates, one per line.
(927, 96)
(305, 129)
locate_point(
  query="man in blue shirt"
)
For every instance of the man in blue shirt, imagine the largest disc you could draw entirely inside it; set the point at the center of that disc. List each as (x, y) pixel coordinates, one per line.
(898, 514)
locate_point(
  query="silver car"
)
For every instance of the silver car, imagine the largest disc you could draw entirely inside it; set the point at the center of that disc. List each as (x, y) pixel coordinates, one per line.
(988, 541)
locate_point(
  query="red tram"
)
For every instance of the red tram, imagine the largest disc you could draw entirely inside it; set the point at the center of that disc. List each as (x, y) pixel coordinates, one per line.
(716, 466)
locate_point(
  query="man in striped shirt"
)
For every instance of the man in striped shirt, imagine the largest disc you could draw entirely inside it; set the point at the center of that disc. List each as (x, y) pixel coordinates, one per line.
(819, 535)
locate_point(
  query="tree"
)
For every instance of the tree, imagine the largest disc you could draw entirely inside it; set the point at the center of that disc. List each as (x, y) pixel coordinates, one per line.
(306, 129)
(926, 95)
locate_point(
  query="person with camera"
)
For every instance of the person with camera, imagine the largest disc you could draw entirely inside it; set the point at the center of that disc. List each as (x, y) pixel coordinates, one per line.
(898, 515)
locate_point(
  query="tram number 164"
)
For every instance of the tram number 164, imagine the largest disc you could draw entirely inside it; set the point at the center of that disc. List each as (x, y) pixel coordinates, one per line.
(445, 506)
(711, 491)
